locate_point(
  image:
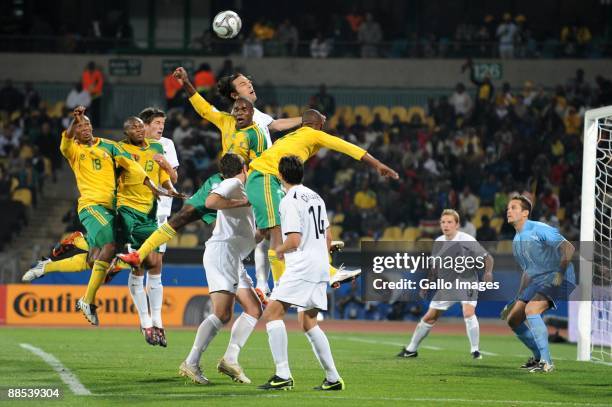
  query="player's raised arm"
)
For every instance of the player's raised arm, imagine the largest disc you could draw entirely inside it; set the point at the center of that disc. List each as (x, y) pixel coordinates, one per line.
(285, 124)
(67, 143)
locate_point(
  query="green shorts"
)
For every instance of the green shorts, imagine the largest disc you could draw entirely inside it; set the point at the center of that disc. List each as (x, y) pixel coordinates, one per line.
(198, 200)
(134, 227)
(265, 193)
(99, 222)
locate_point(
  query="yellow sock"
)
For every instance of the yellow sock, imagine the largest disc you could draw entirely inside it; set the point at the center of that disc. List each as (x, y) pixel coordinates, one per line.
(98, 272)
(277, 266)
(72, 264)
(162, 235)
(332, 270)
(81, 243)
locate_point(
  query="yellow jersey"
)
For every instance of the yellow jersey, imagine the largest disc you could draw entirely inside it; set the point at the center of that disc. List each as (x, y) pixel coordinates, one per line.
(248, 142)
(132, 193)
(304, 143)
(94, 169)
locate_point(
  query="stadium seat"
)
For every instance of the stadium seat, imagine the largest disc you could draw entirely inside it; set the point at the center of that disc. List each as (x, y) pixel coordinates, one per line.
(365, 113)
(188, 240)
(291, 110)
(561, 214)
(383, 112)
(48, 167)
(14, 184)
(400, 111)
(504, 247)
(55, 111)
(23, 195)
(482, 211)
(392, 233)
(174, 242)
(347, 113)
(411, 234)
(336, 232)
(338, 219)
(497, 223)
(418, 110)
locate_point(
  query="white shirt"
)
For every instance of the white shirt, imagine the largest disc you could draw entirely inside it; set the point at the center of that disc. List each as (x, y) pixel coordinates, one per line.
(469, 246)
(75, 99)
(303, 211)
(462, 102)
(506, 32)
(236, 225)
(164, 206)
(263, 121)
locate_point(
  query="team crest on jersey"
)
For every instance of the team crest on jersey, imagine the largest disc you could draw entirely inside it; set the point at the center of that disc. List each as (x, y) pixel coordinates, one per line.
(82, 156)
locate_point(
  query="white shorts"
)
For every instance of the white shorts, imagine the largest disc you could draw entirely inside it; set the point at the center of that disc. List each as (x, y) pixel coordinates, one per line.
(160, 220)
(444, 305)
(304, 294)
(224, 268)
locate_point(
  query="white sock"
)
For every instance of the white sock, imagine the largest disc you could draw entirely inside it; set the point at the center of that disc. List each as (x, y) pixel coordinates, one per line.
(207, 330)
(241, 331)
(473, 332)
(156, 298)
(321, 349)
(139, 296)
(277, 338)
(420, 332)
(262, 265)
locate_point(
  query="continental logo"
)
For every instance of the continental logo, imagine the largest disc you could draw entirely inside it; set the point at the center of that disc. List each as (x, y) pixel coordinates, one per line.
(29, 304)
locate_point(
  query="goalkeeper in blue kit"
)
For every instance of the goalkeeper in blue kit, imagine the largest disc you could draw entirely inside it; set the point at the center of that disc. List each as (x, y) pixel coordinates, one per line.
(545, 256)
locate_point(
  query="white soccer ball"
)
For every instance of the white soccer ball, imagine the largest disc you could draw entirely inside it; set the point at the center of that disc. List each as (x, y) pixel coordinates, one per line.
(227, 24)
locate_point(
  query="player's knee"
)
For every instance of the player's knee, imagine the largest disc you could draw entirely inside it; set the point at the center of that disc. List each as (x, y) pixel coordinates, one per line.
(468, 313)
(224, 316)
(514, 320)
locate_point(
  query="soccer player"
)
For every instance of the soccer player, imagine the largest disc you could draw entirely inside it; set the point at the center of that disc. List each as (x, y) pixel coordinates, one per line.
(240, 136)
(306, 241)
(545, 256)
(94, 161)
(453, 243)
(137, 220)
(264, 187)
(232, 240)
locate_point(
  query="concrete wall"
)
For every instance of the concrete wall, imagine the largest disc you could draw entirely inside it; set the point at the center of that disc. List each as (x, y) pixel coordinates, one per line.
(400, 73)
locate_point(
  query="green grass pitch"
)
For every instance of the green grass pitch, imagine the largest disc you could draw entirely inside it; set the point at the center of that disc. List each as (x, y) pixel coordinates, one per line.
(119, 368)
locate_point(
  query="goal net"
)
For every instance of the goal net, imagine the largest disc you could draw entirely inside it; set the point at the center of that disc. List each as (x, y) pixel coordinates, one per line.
(594, 316)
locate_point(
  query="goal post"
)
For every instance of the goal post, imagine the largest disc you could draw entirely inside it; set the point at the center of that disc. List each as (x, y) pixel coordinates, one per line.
(595, 236)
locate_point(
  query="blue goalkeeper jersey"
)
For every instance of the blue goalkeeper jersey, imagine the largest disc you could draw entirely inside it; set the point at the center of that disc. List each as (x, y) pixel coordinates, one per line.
(536, 249)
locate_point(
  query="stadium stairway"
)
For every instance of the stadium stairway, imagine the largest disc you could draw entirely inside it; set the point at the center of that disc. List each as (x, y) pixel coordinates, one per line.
(44, 227)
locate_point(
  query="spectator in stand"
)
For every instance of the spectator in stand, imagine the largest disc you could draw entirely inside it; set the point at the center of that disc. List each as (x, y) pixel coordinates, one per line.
(486, 233)
(48, 142)
(559, 171)
(354, 19)
(9, 140)
(204, 79)
(550, 200)
(488, 189)
(461, 101)
(172, 90)
(11, 99)
(506, 33)
(369, 36)
(324, 102)
(365, 198)
(92, 81)
(78, 97)
(31, 97)
(288, 37)
(521, 37)
(263, 30)
(468, 202)
(252, 47)
(467, 226)
(227, 69)
(319, 47)
(572, 121)
(182, 132)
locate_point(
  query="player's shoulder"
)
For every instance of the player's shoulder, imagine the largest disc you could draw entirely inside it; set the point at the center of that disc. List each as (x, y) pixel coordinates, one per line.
(110, 146)
(260, 116)
(156, 146)
(165, 141)
(464, 237)
(540, 226)
(440, 238)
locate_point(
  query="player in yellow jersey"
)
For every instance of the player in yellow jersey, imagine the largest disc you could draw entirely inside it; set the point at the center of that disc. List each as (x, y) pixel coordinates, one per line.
(137, 217)
(94, 162)
(264, 187)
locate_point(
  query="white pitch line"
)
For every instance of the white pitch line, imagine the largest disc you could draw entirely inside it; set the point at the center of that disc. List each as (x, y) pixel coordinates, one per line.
(64, 373)
(601, 362)
(374, 342)
(484, 352)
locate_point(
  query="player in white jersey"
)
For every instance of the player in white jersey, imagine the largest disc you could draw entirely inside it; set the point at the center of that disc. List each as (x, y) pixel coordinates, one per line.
(306, 241)
(232, 240)
(232, 87)
(444, 246)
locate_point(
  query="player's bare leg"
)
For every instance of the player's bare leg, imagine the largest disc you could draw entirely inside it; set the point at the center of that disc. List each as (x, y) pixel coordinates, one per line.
(420, 333)
(223, 306)
(241, 330)
(321, 349)
(472, 329)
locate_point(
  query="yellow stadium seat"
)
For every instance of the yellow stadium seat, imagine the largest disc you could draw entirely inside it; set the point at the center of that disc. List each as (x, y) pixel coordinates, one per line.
(291, 110)
(431, 123)
(175, 242)
(55, 111)
(48, 167)
(365, 113)
(347, 113)
(332, 122)
(336, 232)
(400, 111)
(497, 223)
(188, 240)
(418, 110)
(14, 184)
(23, 195)
(504, 247)
(392, 233)
(480, 212)
(561, 214)
(338, 219)
(383, 112)
(411, 234)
